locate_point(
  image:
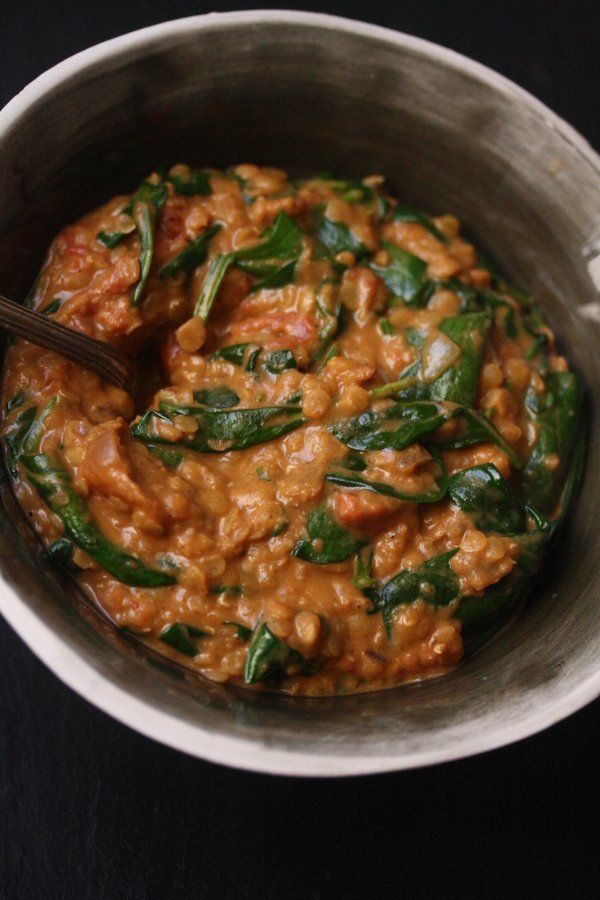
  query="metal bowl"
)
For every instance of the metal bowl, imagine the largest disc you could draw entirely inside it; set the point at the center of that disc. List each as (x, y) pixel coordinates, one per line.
(312, 92)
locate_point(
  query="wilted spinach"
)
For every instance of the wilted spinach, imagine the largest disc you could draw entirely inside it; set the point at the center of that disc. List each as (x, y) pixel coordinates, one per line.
(488, 499)
(327, 541)
(191, 256)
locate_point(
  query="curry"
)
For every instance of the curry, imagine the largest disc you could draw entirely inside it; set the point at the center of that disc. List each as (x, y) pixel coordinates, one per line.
(355, 442)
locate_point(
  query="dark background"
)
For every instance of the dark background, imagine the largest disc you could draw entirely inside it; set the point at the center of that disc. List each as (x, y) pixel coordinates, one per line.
(88, 809)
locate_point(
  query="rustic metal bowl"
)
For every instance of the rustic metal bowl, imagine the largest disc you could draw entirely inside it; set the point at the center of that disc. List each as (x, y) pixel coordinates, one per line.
(312, 92)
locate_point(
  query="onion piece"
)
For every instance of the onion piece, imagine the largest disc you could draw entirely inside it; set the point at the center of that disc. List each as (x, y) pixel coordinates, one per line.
(439, 353)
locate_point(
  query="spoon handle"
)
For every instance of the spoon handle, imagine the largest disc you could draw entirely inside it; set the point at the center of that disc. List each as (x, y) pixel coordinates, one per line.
(101, 358)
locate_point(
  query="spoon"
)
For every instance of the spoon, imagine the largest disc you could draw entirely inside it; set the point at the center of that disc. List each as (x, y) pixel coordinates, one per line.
(110, 364)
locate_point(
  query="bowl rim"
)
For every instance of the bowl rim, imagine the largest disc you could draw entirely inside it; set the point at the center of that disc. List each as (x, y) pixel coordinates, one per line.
(101, 691)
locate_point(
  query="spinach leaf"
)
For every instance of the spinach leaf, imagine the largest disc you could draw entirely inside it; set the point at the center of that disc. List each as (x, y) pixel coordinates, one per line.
(280, 528)
(337, 237)
(349, 190)
(279, 361)
(16, 400)
(475, 428)
(459, 382)
(60, 552)
(415, 337)
(484, 616)
(168, 457)
(191, 256)
(402, 423)
(144, 208)
(252, 360)
(285, 274)
(54, 486)
(32, 440)
(52, 307)
(237, 354)
(433, 495)
(331, 352)
(393, 428)
(241, 631)
(404, 213)
(15, 436)
(493, 302)
(221, 397)
(470, 299)
(333, 324)
(112, 239)
(282, 242)
(210, 288)
(386, 327)
(488, 499)
(433, 581)
(267, 655)
(405, 276)
(535, 326)
(220, 431)
(353, 461)
(408, 387)
(197, 182)
(25, 433)
(363, 578)
(179, 636)
(556, 425)
(281, 245)
(231, 589)
(327, 541)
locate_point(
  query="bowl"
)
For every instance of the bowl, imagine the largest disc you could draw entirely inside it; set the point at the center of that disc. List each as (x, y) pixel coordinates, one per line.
(311, 93)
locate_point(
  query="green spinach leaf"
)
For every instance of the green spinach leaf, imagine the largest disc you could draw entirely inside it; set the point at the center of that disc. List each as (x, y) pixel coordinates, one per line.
(392, 428)
(404, 213)
(54, 486)
(221, 397)
(169, 458)
(52, 307)
(475, 428)
(433, 495)
(197, 182)
(179, 637)
(241, 631)
(337, 237)
(144, 208)
(279, 361)
(556, 424)
(220, 431)
(282, 245)
(327, 541)
(433, 581)
(191, 256)
(405, 276)
(459, 382)
(238, 355)
(16, 400)
(488, 499)
(266, 657)
(386, 327)
(112, 239)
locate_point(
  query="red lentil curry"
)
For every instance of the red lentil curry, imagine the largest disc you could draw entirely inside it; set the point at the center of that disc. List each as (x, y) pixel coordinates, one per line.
(355, 441)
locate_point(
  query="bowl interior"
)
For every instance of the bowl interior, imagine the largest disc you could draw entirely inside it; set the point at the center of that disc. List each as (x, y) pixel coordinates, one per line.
(449, 137)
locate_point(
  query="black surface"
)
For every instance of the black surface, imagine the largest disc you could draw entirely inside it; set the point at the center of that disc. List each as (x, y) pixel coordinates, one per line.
(88, 809)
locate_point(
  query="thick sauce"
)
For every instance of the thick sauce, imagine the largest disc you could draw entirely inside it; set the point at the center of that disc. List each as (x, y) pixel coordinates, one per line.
(260, 557)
